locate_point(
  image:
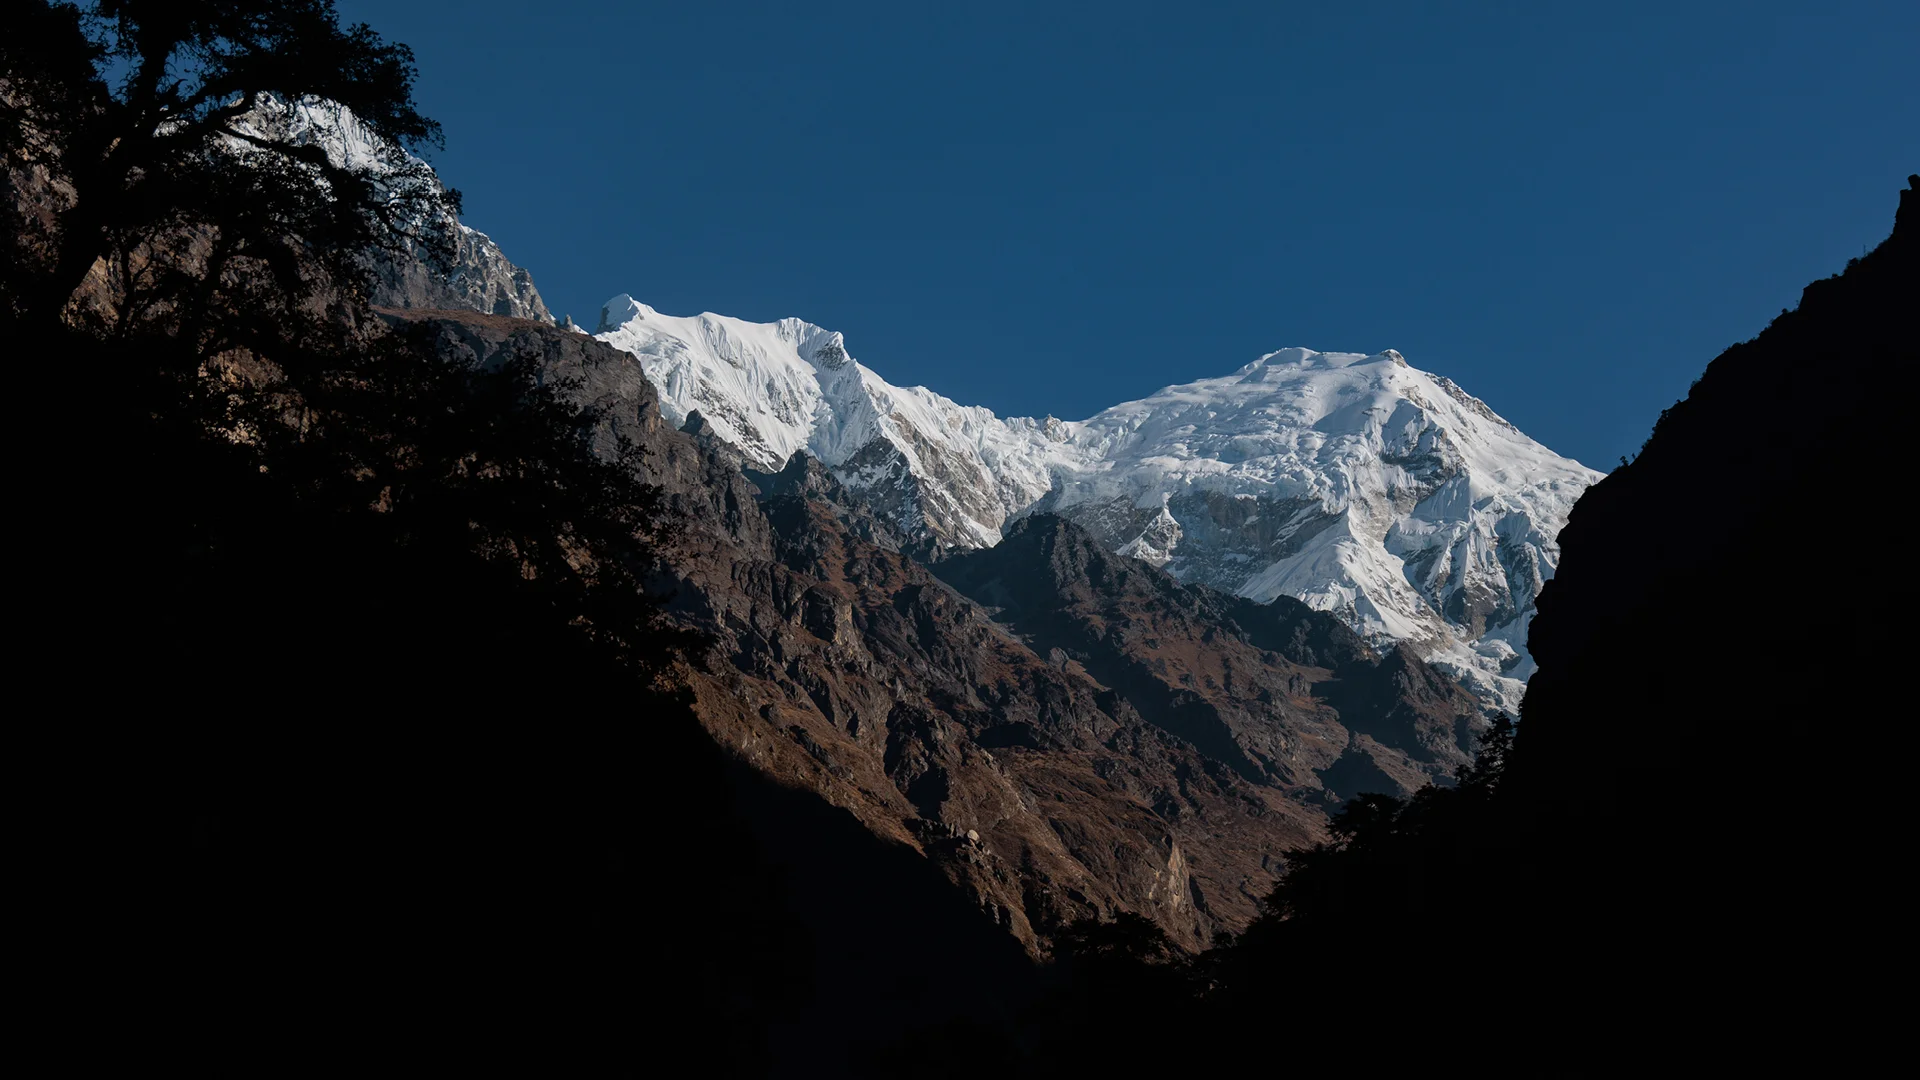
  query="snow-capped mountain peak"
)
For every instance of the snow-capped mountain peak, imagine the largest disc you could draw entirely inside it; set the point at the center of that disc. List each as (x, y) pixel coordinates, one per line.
(621, 310)
(1356, 482)
(943, 473)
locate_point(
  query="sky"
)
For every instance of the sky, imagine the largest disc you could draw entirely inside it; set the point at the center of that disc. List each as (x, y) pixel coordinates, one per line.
(1048, 208)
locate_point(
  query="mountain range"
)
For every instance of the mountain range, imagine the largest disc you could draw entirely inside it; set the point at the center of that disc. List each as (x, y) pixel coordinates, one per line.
(452, 682)
(1116, 665)
(1359, 484)
(1367, 488)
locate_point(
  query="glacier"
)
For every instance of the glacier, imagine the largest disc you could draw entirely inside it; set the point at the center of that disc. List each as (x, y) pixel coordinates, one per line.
(1357, 483)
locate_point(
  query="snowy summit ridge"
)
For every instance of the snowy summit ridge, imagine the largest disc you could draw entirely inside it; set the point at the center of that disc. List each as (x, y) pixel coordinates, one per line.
(943, 473)
(1357, 483)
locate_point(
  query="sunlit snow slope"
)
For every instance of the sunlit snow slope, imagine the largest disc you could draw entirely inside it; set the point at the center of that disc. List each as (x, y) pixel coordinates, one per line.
(946, 474)
(1359, 484)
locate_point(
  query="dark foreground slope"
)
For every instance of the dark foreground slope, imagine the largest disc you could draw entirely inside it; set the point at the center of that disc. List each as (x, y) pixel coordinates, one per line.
(1050, 778)
(1729, 568)
(1693, 853)
(315, 791)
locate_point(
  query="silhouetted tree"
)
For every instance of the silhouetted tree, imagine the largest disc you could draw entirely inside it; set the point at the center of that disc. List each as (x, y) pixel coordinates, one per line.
(154, 132)
(153, 146)
(355, 635)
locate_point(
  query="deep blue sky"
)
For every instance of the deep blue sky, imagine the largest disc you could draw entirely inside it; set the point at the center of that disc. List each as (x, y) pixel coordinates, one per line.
(1044, 208)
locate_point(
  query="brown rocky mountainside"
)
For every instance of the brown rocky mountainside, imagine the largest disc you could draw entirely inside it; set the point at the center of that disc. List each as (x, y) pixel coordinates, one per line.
(1064, 732)
(1286, 696)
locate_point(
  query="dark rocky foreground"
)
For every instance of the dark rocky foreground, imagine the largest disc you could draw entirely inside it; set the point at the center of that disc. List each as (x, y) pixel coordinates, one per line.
(1766, 784)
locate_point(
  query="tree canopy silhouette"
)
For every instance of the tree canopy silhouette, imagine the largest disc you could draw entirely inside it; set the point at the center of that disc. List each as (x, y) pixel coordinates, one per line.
(351, 634)
(198, 191)
(155, 134)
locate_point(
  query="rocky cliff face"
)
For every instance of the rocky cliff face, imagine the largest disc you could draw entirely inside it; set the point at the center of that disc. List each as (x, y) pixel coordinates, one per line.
(480, 278)
(1063, 731)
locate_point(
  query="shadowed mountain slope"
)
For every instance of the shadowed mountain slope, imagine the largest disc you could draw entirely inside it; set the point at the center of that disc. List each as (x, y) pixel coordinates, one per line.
(1287, 695)
(1050, 777)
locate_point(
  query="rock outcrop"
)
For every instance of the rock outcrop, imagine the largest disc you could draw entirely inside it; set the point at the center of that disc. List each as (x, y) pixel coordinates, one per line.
(479, 278)
(1286, 695)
